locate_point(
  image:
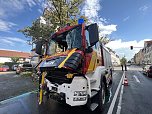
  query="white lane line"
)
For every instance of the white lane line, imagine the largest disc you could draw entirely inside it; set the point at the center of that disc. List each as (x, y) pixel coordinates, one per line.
(116, 95)
(137, 80)
(17, 97)
(120, 100)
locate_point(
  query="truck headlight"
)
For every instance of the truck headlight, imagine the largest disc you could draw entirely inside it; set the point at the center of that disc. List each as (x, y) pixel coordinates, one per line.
(80, 93)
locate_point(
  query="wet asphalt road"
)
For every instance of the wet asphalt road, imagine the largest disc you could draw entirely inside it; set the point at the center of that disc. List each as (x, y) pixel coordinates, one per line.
(12, 85)
(27, 103)
(136, 99)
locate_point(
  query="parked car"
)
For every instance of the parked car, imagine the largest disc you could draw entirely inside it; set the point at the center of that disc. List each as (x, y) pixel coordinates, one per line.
(14, 67)
(128, 64)
(24, 68)
(4, 68)
(147, 70)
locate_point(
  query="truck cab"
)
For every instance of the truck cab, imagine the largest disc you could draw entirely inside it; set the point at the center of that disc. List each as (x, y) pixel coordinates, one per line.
(75, 67)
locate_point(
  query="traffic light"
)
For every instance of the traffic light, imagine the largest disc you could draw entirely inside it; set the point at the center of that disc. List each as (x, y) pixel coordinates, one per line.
(131, 47)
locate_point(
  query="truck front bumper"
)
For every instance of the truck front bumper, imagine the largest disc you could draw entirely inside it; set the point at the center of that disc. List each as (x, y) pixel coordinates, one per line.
(74, 94)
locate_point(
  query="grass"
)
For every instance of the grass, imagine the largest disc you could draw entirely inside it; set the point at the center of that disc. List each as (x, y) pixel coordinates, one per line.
(26, 74)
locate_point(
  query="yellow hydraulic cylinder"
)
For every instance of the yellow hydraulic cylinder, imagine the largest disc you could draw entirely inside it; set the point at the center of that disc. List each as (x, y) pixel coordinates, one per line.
(41, 90)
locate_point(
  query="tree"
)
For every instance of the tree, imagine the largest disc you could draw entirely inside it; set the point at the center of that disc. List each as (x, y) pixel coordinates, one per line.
(15, 59)
(57, 14)
(37, 31)
(123, 61)
(105, 39)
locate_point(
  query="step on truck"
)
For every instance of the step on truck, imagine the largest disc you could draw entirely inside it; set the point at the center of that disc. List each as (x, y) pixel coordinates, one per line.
(75, 68)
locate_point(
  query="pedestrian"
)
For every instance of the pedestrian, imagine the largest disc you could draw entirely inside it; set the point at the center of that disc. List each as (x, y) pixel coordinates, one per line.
(125, 67)
(110, 70)
(122, 67)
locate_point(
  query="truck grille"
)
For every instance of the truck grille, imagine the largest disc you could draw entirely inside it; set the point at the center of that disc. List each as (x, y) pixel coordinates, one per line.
(58, 77)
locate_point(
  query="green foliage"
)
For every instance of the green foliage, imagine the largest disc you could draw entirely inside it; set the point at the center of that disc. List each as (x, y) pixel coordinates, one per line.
(37, 32)
(10, 64)
(15, 59)
(57, 15)
(26, 74)
(1, 64)
(123, 61)
(62, 12)
(105, 39)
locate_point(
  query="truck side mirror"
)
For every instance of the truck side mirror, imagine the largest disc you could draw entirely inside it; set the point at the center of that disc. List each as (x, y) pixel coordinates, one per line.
(39, 48)
(93, 34)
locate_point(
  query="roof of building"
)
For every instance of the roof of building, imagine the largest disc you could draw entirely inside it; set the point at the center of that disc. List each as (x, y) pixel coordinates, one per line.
(10, 53)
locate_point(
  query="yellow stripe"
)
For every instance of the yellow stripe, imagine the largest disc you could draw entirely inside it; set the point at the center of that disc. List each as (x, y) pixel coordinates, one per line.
(69, 55)
(93, 62)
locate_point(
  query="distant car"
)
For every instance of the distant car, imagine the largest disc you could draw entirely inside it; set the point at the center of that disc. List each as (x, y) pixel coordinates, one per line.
(128, 64)
(23, 68)
(4, 68)
(14, 67)
(147, 70)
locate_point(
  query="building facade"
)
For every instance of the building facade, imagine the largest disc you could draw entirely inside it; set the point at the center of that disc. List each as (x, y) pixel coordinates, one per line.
(148, 52)
(115, 59)
(139, 57)
(5, 56)
(144, 56)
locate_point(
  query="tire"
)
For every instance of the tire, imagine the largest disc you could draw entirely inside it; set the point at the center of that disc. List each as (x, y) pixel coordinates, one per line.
(101, 97)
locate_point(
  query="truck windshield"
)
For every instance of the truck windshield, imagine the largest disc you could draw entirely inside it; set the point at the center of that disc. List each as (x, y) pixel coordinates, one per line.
(65, 41)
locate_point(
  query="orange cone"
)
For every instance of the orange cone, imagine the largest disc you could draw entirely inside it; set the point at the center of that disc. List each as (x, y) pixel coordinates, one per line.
(125, 81)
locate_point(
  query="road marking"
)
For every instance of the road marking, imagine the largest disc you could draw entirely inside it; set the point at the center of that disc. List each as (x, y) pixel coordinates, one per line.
(114, 74)
(120, 100)
(137, 80)
(17, 97)
(116, 95)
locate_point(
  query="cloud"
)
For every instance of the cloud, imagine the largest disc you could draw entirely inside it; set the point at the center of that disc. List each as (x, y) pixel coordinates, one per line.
(11, 7)
(6, 26)
(11, 41)
(107, 29)
(91, 10)
(6, 42)
(123, 47)
(143, 8)
(40, 11)
(126, 18)
(31, 3)
(14, 39)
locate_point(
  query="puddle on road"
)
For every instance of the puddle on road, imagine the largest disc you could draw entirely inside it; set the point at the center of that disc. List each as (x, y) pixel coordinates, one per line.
(15, 76)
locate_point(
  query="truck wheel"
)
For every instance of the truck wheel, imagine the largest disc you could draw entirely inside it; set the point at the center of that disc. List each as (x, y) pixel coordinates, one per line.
(101, 97)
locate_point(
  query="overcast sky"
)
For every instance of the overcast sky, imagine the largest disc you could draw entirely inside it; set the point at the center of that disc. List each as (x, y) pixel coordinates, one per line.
(128, 22)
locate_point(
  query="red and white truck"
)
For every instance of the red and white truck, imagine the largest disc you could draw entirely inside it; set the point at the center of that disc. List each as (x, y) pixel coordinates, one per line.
(75, 68)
